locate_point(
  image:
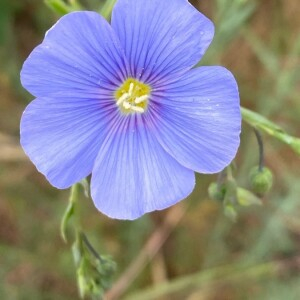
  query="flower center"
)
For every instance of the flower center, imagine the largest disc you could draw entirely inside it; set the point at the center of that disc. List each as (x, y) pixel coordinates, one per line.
(132, 96)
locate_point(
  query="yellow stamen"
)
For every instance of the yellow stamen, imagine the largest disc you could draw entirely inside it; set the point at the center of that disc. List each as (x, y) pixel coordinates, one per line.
(132, 96)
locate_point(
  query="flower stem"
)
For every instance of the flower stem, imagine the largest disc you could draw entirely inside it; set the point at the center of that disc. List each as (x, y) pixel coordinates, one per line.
(263, 124)
(89, 246)
(70, 212)
(107, 8)
(261, 149)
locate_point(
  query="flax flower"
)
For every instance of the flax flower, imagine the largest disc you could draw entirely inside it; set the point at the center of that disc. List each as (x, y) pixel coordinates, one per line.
(121, 101)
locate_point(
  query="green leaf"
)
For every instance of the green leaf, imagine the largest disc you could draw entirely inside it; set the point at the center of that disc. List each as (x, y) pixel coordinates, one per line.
(69, 212)
(94, 271)
(246, 198)
(77, 251)
(65, 220)
(82, 278)
(258, 121)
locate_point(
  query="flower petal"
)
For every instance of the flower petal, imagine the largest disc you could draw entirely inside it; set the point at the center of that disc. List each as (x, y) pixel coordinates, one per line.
(161, 37)
(133, 175)
(62, 136)
(197, 119)
(80, 51)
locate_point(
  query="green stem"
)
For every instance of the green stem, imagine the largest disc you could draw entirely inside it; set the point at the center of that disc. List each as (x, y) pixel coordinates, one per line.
(233, 272)
(257, 121)
(260, 149)
(58, 6)
(89, 246)
(74, 193)
(70, 211)
(75, 5)
(222, 176)
(107, 8)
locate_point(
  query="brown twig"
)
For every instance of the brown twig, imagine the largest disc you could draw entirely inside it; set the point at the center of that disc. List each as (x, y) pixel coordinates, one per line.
(152, 246)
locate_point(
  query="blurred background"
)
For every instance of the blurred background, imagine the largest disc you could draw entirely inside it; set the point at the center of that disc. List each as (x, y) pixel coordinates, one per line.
(191, 251)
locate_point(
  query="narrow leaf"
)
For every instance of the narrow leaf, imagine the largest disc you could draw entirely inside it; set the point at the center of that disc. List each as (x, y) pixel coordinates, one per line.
(258, 121)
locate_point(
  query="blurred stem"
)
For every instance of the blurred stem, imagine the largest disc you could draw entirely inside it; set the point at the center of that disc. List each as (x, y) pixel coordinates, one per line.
(261, 149)
(58, 6)
(74, 193)
(229, 172)
(150, 249)
(75, 4)
(222, 176)
(210, 278)
(107, 8)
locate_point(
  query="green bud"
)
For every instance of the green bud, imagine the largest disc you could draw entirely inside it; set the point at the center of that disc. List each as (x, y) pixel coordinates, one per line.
(261, 180)
(246, 198)
(230, 212)
(230, 192)
(216, 192)
(230, 199)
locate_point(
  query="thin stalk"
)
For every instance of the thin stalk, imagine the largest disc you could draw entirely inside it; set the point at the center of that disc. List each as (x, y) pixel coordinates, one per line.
(150, 249)
(89, 246)
(210, 278)
(260, 149)
(107, 8)
(264, 125)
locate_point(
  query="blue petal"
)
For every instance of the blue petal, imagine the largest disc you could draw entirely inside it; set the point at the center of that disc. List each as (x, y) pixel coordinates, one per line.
(197, 119)
(161, 37)
(133, 175)
(80, 51)
(62, 136)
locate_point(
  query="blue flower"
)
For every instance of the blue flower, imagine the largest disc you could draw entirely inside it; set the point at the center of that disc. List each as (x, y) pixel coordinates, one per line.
(122, 103)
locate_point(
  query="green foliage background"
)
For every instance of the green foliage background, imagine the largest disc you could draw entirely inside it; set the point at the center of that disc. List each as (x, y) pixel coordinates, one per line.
(206, 255)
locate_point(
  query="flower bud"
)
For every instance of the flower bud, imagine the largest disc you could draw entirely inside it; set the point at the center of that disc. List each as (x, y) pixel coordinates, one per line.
(230, 212)
(215, 192)
(231, 191)
(261, 180)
